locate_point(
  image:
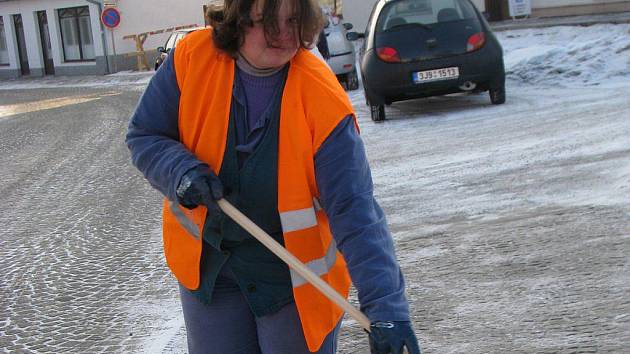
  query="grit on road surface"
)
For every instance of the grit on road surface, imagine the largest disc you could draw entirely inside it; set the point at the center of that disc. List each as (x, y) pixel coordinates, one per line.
(512, 222)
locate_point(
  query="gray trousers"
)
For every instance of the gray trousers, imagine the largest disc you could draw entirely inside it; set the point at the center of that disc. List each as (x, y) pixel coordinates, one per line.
(227, 326)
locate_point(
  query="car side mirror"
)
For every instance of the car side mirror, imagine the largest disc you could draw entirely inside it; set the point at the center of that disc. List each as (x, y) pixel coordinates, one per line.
(161, 50)
(348, 26)
(353, 36)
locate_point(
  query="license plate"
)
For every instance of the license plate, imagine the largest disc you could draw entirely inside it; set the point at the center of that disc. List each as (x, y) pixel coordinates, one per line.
(436, 75)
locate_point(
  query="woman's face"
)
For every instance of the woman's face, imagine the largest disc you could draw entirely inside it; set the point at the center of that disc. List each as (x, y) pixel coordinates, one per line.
(280, 48)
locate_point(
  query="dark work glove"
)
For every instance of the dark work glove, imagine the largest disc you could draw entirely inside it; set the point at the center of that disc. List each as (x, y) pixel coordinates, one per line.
(200, 186)
(392, 337)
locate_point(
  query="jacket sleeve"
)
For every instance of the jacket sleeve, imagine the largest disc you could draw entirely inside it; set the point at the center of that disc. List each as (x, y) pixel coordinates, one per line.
(153, 133)
(358, 224)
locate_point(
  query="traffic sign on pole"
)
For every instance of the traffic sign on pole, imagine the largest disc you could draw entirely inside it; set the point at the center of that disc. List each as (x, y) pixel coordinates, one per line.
(110, 17)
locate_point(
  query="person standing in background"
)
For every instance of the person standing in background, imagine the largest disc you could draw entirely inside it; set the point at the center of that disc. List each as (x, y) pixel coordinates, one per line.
(322, 45)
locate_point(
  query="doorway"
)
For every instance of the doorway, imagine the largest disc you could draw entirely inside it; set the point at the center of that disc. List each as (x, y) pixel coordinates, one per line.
(496, 9)
(21, 44)
(49, 66)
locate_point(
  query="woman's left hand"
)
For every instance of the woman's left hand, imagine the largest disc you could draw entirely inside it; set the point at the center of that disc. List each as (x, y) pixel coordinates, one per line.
(392, 338)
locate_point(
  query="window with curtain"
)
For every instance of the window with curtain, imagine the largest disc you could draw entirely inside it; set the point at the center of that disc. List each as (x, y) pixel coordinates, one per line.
(76, 34)
(4, 52)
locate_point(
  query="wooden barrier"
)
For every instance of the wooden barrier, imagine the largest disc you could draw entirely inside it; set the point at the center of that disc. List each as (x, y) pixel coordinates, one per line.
(140, 38)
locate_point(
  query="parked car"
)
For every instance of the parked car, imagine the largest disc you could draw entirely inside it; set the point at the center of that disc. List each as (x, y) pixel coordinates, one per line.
(171, 42)
(342, 60)
(422, 48)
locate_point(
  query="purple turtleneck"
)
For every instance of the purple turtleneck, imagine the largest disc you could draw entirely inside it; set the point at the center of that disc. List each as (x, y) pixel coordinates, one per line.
(255, 91)
(259, 92)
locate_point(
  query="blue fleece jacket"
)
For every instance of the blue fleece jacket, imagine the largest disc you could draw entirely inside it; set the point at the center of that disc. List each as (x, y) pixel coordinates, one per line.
(343, 177)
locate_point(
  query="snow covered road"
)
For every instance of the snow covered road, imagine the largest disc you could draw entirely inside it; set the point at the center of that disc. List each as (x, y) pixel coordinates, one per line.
(512, 222)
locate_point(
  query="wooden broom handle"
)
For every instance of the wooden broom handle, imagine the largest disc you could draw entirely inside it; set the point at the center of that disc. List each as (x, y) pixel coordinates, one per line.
(293, 262)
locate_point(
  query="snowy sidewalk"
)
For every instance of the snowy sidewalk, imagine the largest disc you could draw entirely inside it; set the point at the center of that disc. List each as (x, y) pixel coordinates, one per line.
(586, 20)
(123, 78)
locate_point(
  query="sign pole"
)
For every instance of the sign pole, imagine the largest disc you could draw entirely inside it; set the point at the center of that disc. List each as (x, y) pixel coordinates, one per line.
(110, 17)
(114, 49)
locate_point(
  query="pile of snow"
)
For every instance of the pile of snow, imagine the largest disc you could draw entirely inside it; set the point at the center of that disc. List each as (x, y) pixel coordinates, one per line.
(568, 56)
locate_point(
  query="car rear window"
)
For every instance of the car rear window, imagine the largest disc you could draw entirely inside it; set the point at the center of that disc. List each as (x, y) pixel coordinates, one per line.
(179, 38)
(170, 43)
(404, 13)
(174, 39)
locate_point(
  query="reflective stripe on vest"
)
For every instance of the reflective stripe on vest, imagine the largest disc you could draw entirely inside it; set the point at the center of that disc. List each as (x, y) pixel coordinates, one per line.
(318, 266)
(300, 219)
(303, 219)
(184, 221)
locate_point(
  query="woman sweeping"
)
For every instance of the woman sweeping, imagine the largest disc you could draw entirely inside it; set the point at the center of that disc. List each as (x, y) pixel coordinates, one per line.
(243, 111)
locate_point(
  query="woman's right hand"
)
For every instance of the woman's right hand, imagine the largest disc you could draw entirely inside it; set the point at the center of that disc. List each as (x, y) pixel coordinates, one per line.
(200, 186)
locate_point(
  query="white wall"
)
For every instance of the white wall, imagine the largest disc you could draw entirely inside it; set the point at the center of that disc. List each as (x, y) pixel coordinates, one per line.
(146, 16)
(28, 9)
(55, 36)
(140, 16)
(31, 33)
(357, 12)
(9, 32)
(539, 4)
(136, 17)
(480, 4)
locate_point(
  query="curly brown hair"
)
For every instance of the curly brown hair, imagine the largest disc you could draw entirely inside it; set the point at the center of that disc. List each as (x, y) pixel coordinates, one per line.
(230, 20)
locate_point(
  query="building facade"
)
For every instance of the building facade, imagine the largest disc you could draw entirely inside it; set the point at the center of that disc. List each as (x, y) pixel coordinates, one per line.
(66, 37)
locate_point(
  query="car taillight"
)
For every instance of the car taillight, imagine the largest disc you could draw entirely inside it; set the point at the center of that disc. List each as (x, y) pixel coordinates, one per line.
(388, 54)
(476, 41)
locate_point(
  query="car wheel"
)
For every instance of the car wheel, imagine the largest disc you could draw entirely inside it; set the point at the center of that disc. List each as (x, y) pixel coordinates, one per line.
(377, 112)
(497, 96)
(352, 80)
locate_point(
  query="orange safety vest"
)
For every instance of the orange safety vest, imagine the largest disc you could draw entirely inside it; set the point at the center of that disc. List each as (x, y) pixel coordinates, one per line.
(313, 104)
